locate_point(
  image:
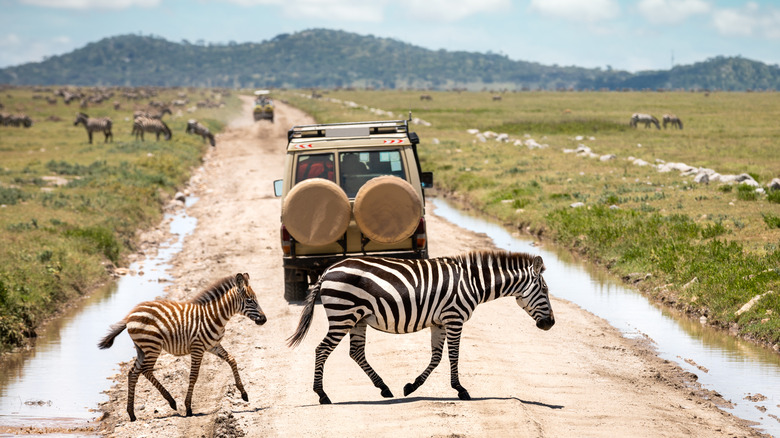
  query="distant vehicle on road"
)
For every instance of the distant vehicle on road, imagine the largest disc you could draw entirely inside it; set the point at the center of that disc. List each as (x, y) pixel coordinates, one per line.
(264, 106)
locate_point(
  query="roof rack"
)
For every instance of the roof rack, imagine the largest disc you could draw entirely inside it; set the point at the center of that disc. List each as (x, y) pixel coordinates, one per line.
(350, 129)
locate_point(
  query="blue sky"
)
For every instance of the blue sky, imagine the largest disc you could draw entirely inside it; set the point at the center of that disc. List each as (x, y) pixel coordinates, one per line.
(628, 35)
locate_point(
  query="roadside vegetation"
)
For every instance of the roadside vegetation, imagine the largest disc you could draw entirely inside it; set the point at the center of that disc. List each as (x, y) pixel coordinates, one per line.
(69, 210)
(709, 248)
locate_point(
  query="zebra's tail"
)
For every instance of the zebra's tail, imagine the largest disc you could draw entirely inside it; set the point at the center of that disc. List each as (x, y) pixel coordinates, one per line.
(306, 315)
(113, 332)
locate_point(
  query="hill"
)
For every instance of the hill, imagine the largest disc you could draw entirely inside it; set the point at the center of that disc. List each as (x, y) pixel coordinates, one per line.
(329, 58)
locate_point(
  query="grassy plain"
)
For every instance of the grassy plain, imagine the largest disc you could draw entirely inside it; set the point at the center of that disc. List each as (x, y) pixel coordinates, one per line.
(710, 248)
(69, 209)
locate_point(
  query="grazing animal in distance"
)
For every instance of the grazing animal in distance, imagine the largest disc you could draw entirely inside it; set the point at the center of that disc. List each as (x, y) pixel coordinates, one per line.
(193, 327)
(16, 120)
(194, 127)
(647, 119)
(426, 97)
(153, 126)
(100, 124)
(673, 119)
(406, 296)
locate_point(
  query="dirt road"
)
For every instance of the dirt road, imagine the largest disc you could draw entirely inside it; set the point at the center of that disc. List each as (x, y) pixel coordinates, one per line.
(581, 378)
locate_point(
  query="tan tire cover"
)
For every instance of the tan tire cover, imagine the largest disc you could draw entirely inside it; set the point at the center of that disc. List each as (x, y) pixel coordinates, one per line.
(387, 209)
(316, 212)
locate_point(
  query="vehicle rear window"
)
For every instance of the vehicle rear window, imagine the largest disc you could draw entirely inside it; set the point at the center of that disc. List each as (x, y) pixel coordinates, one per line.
(355, 168)
(315, 166)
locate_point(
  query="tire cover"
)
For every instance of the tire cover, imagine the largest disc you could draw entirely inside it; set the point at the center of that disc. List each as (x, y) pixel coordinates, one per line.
(387, 209)
(316, 212)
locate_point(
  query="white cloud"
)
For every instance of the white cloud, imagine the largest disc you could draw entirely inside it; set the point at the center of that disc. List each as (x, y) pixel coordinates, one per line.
(15, 50)
(452, 10)
(92, 4)
(750, 20)
(672, 11)
(587, 11)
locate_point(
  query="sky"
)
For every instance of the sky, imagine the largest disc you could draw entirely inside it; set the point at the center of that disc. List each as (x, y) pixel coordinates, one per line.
(632, 35)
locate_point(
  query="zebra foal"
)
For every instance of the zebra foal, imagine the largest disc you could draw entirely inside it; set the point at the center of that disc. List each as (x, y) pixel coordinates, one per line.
(102, 124)
(194, 127)
(180, 328)
(405, 296)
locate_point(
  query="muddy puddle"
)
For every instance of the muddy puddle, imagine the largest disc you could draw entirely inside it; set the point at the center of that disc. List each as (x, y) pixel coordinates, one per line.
(57, 384)
(743, 373)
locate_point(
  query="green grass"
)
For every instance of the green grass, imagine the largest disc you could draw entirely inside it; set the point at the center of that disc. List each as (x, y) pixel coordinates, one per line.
(70, 208)
(725, 236)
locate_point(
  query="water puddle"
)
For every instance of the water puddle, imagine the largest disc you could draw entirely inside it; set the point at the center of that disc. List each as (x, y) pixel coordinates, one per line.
(736, 369)
(59, 383)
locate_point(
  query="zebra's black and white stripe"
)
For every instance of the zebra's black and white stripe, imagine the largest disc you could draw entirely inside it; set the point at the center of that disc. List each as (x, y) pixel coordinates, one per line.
(180, 328)
(647, 119)
(673, 119)
(194, 127)
(405, 296)
(101, 124)
(153, 126)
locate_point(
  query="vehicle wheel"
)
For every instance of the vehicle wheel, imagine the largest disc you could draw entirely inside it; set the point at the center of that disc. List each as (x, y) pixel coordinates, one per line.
(316, 212)
(387, 209)
(296, 284)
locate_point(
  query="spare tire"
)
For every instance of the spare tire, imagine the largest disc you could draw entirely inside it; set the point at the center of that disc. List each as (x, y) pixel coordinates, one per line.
(387, 209)
(316, 212)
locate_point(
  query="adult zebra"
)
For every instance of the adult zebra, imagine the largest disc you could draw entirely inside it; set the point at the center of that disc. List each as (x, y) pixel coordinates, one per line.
(193, 327)
(101, 124)
(405, 296)
(673, 119)
(647, 119)
(194, 127)
(153, 126)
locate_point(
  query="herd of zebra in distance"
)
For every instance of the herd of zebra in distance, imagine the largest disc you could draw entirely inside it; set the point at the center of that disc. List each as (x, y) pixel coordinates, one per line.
(391, 295)
(148, 120)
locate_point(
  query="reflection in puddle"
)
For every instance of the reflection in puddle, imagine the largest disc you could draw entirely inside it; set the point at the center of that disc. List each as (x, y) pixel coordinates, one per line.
(735, 368)
(61, 380)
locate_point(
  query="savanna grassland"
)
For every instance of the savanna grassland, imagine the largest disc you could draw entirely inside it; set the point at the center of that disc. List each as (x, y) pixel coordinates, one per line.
(710, 248)
(69, 210)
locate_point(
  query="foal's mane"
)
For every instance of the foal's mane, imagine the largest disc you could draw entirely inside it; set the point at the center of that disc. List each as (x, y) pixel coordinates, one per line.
(485, 256)
(217, 290)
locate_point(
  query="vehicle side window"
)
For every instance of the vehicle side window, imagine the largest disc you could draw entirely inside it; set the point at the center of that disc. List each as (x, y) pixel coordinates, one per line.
(315, 166)
(356, 168)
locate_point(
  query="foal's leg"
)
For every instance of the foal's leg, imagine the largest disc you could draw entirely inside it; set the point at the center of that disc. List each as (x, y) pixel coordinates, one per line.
(322, 352)
(357, 351)
(437, 345)
(227, 357)
(144, 364)
(196, 353)
(454, 329)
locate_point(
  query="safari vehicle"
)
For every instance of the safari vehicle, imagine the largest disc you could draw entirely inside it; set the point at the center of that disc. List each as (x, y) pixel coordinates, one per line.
(349, 189)
(264, 106)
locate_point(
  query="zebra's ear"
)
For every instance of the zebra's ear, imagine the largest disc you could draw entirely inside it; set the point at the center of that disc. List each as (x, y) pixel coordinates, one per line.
(240, 279)
(538, 265)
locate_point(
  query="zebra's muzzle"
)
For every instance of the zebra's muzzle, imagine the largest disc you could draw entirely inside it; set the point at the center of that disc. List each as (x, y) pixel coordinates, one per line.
(545, 323)
(260, 319)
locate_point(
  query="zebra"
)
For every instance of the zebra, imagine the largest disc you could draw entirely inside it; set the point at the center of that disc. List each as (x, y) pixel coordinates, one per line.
(101, 124)
(647, 119)
(154, 126)
(193, 127)
(152, 113)
(405, 296)
(674, 120)
(180, 328)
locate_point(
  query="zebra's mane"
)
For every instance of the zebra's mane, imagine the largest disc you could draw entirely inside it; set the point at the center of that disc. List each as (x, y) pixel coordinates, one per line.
(214, 292)
(485, 257)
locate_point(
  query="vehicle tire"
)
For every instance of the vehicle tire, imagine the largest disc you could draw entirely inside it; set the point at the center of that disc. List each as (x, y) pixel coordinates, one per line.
(316, 212)
(387, 209)
(296, 284)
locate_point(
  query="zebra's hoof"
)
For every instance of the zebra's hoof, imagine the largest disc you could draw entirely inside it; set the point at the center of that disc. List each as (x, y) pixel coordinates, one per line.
(324, 400)
(464, 395)
(132, 417)
(173, 404)
(409, 388)
(189, 412)
(245, 396)
(386, 393)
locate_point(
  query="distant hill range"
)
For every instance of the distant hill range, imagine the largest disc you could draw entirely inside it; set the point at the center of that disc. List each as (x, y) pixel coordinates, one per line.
(321, 58)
